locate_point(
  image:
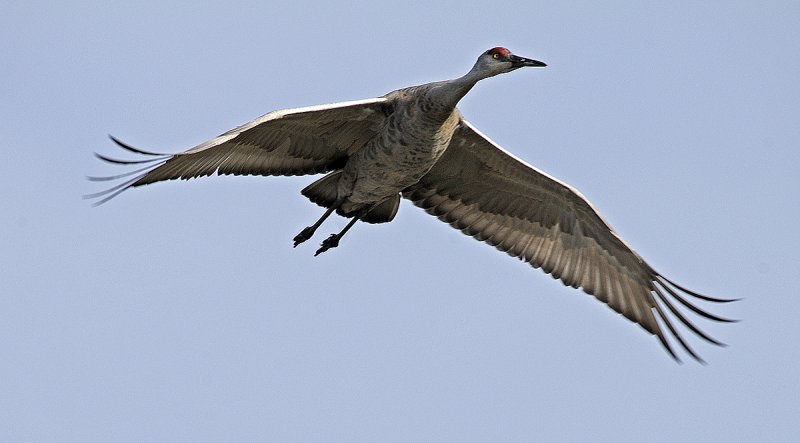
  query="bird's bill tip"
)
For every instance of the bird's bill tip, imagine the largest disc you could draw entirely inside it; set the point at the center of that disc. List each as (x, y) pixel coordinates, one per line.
(520, 62)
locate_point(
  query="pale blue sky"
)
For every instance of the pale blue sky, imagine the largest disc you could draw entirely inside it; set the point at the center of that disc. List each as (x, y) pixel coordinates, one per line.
(180, 311)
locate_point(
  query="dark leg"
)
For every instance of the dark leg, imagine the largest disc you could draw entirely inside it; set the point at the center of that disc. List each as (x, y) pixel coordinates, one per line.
(306, 233)
(333, 240)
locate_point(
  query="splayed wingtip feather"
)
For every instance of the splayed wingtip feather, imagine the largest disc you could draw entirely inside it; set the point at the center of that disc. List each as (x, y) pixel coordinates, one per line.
(676, 335)
(695, 294)
(684, 320)
(134, 149)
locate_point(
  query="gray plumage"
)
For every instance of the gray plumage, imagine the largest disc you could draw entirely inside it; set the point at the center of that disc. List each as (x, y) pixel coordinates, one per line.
(414, 142)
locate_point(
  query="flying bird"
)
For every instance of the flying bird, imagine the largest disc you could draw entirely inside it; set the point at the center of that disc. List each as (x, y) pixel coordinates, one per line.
(414, 143)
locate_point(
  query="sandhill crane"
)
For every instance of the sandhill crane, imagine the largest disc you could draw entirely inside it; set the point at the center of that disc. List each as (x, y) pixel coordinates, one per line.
(414, 142)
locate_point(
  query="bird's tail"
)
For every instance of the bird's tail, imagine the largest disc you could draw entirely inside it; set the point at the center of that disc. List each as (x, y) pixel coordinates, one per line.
(324, 191)
(384, 211)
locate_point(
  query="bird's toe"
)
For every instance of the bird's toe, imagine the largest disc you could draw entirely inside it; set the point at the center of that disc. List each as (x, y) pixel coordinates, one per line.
(304, 235)
(328, 243)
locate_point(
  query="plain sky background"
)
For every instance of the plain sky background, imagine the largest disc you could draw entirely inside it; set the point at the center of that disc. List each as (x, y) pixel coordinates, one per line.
(180, 311)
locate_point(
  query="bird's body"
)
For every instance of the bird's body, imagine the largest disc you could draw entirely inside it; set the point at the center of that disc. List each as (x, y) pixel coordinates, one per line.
(408, 146)
(413, 142)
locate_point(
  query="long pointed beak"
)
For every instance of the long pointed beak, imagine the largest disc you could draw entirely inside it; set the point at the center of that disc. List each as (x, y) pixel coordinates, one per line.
(519, 62)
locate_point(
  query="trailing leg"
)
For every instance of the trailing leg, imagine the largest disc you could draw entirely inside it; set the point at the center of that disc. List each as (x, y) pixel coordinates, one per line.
(306, 233)
(333, 240)
(323, 193)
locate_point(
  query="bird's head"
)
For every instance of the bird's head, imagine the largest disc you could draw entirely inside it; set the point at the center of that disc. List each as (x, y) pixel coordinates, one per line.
(500, 60)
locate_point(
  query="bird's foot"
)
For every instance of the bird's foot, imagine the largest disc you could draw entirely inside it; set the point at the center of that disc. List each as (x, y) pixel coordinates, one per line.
(328, 243)
(304, 235)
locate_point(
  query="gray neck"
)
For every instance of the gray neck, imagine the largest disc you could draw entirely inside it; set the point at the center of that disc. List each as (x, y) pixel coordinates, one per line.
(449, 93)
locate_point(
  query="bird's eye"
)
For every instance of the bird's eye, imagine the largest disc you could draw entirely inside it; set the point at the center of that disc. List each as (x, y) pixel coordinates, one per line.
(496, 56)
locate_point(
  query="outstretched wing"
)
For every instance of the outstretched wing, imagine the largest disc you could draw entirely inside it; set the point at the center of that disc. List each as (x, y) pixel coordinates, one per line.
(300, 141)
(487, 193)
